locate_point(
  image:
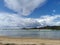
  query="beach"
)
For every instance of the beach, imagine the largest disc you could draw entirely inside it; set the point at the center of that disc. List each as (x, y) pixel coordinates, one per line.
(27, 41)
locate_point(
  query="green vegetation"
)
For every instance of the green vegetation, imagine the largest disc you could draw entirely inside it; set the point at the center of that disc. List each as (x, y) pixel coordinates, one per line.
(51, 27)
(46, 27)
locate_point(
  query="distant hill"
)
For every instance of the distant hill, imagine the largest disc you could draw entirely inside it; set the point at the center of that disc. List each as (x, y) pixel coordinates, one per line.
(50, 27)
(46, 27)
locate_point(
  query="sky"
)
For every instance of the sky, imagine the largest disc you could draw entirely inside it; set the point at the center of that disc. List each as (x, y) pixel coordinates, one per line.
(29, 13)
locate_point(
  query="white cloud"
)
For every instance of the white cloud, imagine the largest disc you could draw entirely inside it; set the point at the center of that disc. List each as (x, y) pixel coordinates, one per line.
(50, 20)
(23, 7)
(26, 7)
(7, 19)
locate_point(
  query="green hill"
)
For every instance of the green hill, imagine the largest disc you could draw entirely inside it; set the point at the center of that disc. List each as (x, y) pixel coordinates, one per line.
(46, 27)
(50, 27)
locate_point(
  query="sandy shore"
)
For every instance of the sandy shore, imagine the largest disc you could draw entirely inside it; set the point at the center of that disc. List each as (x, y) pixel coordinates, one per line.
(27, 41)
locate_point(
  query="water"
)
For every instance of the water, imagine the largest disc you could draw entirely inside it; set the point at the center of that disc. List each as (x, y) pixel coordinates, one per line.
(50, 34)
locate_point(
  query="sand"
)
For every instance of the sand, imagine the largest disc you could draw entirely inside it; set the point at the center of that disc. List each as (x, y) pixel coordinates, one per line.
(27, 41)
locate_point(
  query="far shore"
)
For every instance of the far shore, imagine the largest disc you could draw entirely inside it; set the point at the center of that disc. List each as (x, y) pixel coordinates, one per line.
(39, 29)
(46, 27)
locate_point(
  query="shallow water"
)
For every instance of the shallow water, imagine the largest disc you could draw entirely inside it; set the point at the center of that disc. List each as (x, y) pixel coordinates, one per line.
(50, 34)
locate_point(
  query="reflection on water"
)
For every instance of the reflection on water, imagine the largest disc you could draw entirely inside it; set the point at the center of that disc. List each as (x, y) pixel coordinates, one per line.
(31, 33)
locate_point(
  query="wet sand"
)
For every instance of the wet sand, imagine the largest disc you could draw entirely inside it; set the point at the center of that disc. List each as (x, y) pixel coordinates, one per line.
(27, 41)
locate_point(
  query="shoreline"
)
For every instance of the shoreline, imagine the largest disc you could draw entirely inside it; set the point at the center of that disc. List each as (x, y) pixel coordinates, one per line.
(5, 40)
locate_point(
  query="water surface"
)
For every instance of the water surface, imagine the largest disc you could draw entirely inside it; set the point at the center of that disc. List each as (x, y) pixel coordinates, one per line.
(50, 34)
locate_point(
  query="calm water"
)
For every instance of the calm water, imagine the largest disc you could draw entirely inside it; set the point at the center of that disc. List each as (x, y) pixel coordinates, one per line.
(51, 34)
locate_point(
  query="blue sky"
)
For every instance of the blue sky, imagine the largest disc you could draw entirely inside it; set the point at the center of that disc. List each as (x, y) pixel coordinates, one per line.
(46, 9)
(3, 8)
(29, 13)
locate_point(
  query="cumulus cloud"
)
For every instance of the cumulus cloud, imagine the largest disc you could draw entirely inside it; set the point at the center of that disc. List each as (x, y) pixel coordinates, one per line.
(7, 19)
(23, 7)
(50, 20)
(13, 20)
